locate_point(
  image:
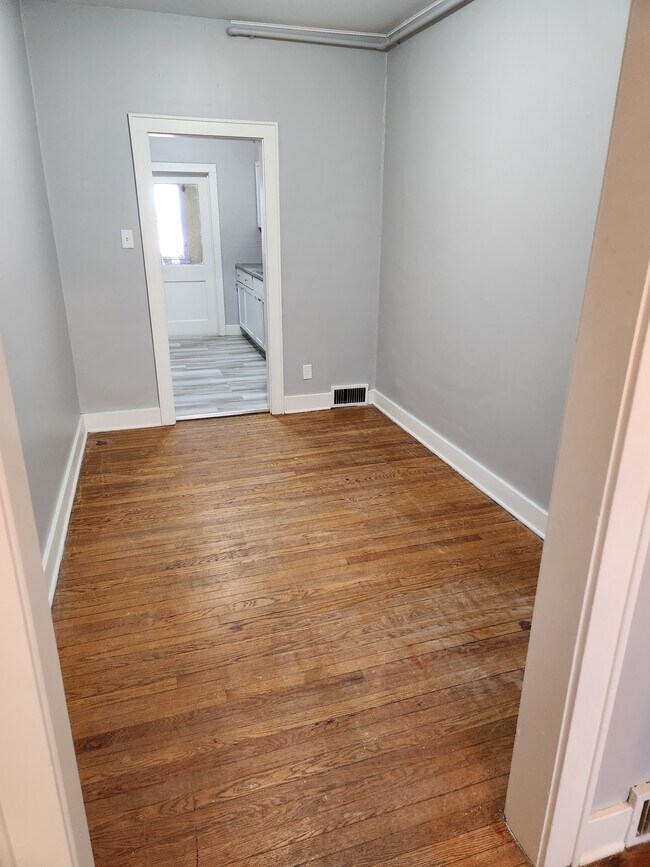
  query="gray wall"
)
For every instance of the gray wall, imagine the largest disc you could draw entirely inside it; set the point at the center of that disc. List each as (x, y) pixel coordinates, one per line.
(498, 121)
(91, 66)
(497, 127)
(33, 326)
(241, 240)
(626, 761)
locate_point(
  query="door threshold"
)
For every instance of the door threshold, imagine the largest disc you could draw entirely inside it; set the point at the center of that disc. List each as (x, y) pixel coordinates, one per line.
(221, 414)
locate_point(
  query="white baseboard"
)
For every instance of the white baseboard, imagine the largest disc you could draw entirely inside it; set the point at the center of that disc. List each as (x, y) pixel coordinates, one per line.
(88, 423)
(307, 402)
(529, 513)
(233, 330)
(54, 546)
(122, 419)
(604, 833)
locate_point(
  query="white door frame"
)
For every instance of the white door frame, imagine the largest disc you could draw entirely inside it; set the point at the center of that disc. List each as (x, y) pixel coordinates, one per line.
(618, 559)
(42, 817)
(208, 170)
(617, 577)
(599, 521)
(140, 126)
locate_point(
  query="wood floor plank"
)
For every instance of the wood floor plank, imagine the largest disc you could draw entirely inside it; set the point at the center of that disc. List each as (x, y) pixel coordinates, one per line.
(636, 856)
(291, 640)
(445, 711)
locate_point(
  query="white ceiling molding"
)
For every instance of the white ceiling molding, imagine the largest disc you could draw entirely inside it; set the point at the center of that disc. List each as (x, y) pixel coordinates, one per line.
(349, 38)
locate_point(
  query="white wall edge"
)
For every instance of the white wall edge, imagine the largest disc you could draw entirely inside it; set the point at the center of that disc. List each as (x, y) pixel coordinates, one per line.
(604, 833)
(53, 553)
(512, 500)
(124, 419)
(307, 402)
(233, 330)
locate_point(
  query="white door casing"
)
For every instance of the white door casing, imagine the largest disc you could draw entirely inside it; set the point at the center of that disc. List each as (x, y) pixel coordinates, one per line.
(42, 817)
(265, 132)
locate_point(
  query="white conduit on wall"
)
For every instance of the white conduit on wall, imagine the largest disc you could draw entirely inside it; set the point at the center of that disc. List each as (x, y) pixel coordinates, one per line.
(348, 39)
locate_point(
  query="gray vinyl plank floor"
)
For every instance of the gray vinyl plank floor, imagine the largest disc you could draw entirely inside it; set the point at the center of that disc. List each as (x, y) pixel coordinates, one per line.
(217, 376)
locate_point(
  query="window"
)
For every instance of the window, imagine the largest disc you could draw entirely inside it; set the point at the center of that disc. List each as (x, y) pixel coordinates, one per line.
(179, 223)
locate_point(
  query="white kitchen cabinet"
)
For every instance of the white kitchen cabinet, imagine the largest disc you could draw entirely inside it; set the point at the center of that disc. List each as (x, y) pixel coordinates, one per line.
(241, 300)
(259, 194)
(250, 299)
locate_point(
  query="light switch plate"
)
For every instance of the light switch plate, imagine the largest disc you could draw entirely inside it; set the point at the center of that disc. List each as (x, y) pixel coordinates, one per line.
(127, 238)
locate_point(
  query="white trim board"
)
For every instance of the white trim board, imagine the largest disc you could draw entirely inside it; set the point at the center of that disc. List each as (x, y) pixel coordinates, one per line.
(88, 423)
(233, 330)
(604, 834)
(125, 419)
(512, 500)
(307, 402)
(38, 760)
(53, 552)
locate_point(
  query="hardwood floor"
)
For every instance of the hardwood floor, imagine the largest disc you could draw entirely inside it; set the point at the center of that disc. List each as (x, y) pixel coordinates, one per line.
(637, 856)
(291, 640)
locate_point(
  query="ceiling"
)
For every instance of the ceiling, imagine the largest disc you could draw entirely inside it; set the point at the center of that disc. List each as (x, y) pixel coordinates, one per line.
(378, 16)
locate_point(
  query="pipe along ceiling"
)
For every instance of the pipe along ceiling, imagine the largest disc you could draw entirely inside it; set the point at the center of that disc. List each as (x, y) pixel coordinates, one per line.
(431, 14)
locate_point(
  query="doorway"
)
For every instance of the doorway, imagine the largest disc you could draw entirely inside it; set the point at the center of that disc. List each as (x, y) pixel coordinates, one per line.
(214, 293)
(187, 212)
(209, 233)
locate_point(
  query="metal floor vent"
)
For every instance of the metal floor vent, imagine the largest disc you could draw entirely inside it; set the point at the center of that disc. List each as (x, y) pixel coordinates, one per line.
(349, 395)
(643, 827)
(639, 800)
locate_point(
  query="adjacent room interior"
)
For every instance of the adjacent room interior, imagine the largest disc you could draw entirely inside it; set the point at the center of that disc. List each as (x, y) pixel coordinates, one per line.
(209, 199)
(359, 253)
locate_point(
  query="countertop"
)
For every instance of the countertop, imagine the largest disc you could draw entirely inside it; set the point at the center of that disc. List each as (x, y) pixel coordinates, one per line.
(255, 269)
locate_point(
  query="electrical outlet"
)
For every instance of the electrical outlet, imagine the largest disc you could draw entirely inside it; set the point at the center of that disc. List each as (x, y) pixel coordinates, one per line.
(127, 239)
(306, 371)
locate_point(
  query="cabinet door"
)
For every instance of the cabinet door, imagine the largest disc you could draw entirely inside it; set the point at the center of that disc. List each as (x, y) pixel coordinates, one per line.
(262, 326)
(244, 278)
(259, 334)
(250, 313)
(259, 194)
(241, 298)
(258, 288)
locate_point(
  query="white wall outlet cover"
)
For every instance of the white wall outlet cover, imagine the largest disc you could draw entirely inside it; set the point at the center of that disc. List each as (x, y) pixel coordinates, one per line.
(127, 238)
(306, 371)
